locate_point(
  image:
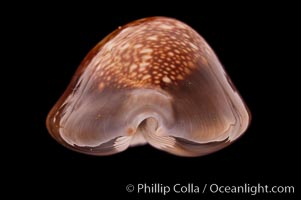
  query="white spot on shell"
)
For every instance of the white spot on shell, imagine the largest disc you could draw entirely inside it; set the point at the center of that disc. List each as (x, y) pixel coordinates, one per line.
(185, 35)
(146, 57)
(154, 38)
(136, 46)
(143, 65)
(193, 46)
(170, 53)
(181, 25)
(146, 77)
(110, 45)
(101, 86)
(133, 67)
(148, 50)
(165, 26)
(166, 79)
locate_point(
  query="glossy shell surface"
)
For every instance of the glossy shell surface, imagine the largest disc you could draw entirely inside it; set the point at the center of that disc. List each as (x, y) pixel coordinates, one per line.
(154, 81)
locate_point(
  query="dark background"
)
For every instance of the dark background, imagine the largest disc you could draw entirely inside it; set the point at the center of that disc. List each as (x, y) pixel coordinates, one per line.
(253, 42)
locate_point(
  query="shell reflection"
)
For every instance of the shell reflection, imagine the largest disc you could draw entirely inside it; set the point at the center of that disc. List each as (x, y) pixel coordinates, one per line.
(152, 81)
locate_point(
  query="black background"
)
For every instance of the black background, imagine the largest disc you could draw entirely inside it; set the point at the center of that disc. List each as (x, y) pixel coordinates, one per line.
(253, 42)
